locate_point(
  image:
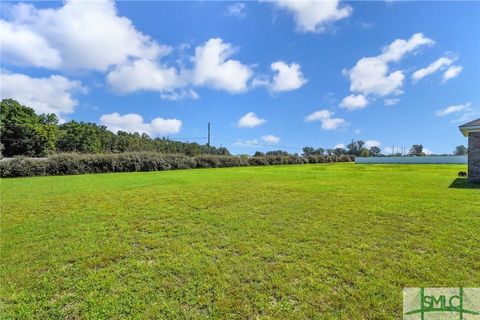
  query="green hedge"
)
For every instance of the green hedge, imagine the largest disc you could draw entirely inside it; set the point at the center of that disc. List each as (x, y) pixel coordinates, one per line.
(67, 164)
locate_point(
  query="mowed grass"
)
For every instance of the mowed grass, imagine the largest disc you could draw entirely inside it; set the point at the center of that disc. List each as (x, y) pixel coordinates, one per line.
(326, 241)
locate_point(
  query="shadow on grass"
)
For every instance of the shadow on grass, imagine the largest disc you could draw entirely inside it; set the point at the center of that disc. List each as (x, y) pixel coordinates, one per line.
(462, 183)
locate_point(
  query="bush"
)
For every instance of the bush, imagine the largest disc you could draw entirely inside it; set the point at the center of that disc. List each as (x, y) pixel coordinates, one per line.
(23, 167)
(207, 162)
(258, 161)
(180, 161)
(72, 163)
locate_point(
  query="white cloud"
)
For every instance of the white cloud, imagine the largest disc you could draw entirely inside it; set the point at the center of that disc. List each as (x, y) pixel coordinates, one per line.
(314, 15)
(451, 73)
(427, 151)
(339, 145)
(143, 74)
(287, 77)
(326, 120)
(391, 102)
(134, 123)
(319, 115)
(237, 10)
(213, 69)
(463, 112)
(22, 46)
(52, 94)
(353, 102)
(270, 138)
(453, 109)
(250, 120)
(371, 75)
(438, 64)
(372, 143)
(88, 35)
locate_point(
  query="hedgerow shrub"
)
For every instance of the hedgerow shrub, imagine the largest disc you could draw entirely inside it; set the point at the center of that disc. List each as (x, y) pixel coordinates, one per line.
(179, 161)
(258, 161)
(24, 167)
(71, 163)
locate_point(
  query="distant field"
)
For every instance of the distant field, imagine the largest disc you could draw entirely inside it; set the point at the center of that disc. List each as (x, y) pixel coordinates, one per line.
(326, 241)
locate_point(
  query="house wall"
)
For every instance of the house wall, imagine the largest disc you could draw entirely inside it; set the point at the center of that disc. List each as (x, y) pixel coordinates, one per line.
(474, 156)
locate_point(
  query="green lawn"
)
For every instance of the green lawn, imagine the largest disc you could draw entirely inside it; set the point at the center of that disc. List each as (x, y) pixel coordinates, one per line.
(327, 241)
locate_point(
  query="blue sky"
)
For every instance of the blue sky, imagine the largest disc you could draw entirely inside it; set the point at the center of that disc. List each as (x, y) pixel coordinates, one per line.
(267, 75)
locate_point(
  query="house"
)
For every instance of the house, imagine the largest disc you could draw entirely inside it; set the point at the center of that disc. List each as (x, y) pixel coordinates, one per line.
(472, 131)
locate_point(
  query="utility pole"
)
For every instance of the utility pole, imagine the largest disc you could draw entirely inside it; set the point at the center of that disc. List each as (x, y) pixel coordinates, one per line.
(208, 143)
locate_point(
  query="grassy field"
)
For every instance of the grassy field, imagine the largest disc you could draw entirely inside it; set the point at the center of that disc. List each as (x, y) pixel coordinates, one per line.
(327, 241)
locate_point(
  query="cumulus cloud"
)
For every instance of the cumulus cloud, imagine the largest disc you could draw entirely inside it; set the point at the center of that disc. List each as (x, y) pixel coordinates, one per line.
(92, 36)
(287, 77)
(314, 15)
(339, 146)
(213, 68)
(143, 74)
(22, 46)
(237, 10)
(326, 119)
(87, 35)
(451, 73)
(134, 123)
(372, 75)
(435, 66)
(270, 138)
(250, 120)
(353, 102)
(52, 94)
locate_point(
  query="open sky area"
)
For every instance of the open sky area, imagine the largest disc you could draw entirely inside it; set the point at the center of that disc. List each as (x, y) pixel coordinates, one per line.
(267, 75)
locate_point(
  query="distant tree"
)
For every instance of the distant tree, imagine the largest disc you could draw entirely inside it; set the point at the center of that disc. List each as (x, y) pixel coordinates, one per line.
(357, 148)
(319, 151)
(79, 137)
(308, 151)
(259, 154)
(460, 150)
(328, 152)
(339, 152)
(23, 132)
(277, 153)
(416, 150)
(364, 152)
(375, 151)
(223, 151)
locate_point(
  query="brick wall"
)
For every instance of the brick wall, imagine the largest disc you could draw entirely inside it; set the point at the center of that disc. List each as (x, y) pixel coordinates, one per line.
(474, 156)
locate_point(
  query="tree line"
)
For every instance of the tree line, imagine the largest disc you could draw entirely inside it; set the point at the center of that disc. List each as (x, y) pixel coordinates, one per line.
(359, 149)
(23, 132)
